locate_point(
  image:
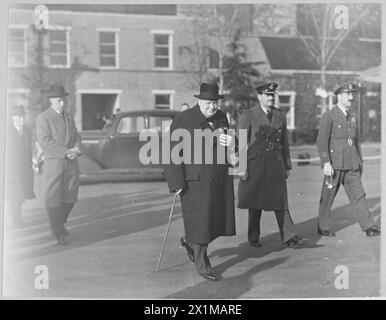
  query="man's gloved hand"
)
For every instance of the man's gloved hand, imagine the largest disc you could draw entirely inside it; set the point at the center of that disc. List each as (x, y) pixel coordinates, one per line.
(328, 170)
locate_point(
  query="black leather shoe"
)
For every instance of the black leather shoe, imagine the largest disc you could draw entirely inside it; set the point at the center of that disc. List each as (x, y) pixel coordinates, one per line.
(188, 248)
(373, 231)
(255, 243)
(62, 240)
(295, 242)
(326, 233)
(211, 276)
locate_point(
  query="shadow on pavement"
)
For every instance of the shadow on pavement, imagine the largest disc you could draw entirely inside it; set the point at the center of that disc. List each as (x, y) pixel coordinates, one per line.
(233, 287)
(93, 220)
(97, 219)
(227, 288)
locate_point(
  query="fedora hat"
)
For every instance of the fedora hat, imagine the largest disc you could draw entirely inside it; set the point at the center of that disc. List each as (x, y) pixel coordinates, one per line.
(56, 91)
(209, 91)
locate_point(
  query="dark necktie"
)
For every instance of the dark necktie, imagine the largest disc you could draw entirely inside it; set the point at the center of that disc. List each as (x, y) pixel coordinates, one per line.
(347, 115)
(269, 114)
(211, 122)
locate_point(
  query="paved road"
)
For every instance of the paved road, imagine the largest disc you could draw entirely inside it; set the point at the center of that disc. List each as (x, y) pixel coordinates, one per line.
(117, 231)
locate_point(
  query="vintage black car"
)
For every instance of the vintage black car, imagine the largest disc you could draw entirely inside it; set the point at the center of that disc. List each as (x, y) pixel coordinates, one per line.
(112, 154)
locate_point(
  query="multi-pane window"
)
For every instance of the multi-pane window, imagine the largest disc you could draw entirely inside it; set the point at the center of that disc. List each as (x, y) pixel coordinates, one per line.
(108, 49)
(58, 48)
(286, 101)
(162, 101)
(17, 50)
(162, 50)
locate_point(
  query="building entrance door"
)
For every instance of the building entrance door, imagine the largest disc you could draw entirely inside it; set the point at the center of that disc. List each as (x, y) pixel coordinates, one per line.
(96, 108)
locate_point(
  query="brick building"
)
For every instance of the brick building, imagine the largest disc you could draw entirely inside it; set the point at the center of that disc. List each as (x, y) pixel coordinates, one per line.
(135, 57)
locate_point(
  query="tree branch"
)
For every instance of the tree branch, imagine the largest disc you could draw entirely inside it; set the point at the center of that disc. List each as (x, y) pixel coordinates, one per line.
(342, 35)
(308, 46)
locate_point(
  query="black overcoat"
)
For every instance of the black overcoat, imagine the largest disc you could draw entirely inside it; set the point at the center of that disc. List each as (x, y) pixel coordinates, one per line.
(208, 197)
(19, 174)
(268, 159)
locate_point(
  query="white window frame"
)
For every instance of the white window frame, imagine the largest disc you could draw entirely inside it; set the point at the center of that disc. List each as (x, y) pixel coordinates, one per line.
(291, 113)
(164, 92)
(170, 44)
(25, 28)
(329, 105)
(67, 29)
(116, 31)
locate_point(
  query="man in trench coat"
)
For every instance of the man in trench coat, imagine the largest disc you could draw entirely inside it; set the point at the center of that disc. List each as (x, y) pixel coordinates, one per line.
(263, 186)
(19, 175)
(59, 139)
(205, 187)
(339, 149)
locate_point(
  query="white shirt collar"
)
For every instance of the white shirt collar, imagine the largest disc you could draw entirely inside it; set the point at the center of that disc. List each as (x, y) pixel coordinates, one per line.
(265, 109)
(57, 110)
(344, 110)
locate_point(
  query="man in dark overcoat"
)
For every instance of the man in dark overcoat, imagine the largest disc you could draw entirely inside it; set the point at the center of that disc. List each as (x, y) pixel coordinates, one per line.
(263, 186)
(339, 149)
(59, 139)
(205, 187)
(19, 175)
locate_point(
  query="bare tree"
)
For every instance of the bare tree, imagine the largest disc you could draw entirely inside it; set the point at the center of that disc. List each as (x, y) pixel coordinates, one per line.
(212, 26)
(324, 40)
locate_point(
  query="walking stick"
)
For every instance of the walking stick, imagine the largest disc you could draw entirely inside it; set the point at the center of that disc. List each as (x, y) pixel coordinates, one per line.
(167, 232)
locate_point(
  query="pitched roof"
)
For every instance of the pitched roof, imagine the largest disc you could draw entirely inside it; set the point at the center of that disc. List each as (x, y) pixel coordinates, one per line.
(290, 53)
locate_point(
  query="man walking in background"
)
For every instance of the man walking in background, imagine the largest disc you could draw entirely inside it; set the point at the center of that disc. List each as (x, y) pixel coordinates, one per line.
(19, 175)
(340, 155)
(59, 139)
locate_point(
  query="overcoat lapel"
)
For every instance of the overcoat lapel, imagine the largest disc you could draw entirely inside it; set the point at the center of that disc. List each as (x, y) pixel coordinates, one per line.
(68, 131)
(276, 123)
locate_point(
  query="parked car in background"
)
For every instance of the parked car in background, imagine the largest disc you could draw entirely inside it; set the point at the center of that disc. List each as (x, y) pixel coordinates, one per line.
(112, 154)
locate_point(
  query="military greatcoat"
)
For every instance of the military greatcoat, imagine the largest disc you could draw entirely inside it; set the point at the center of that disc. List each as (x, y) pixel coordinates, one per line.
(268, 159)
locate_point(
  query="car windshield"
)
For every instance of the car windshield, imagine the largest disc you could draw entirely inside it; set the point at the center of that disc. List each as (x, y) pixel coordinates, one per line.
(135, 124)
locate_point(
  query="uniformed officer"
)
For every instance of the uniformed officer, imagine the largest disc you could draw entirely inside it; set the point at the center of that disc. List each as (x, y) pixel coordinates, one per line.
(263, 186)
(340, 155)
